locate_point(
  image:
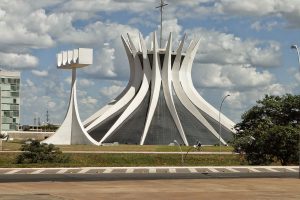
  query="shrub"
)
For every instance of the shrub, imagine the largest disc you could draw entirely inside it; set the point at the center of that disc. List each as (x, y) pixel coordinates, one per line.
(35, 152)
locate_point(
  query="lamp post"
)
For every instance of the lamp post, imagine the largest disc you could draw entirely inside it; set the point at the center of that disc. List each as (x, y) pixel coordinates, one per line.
(297, 49)
(220, 126)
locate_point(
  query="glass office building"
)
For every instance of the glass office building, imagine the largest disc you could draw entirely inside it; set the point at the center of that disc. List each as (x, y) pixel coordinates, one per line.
(10, 100)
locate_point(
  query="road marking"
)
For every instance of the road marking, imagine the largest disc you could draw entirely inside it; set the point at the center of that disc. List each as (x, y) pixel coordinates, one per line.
(231, 169)
(129, 170)
(253, 169)
(38, 171)
(213, 170)
(83, 171)
(152, 170)
(291, 169)
(272, 170)
(62, 171)
(193, 170)
(172, 170)
(107, 171)
(13, 171)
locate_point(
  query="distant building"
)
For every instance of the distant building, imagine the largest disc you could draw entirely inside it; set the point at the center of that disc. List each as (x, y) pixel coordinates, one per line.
(9, 100)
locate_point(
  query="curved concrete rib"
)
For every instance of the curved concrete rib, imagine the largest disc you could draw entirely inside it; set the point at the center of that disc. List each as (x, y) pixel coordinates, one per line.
(77, 126)
(155, 87)
(167, 89)
(184, 98)
(128, 96)
(100, 112)
(185, 75)
(138, 99)
(71, 131)
(59, 58)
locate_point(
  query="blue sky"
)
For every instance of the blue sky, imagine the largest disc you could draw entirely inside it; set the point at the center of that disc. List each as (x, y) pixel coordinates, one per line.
(244, 50)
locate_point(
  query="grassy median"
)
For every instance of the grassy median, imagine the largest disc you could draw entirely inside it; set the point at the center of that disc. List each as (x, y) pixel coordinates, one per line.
(16, 145)
(104, 160)
(94, 159)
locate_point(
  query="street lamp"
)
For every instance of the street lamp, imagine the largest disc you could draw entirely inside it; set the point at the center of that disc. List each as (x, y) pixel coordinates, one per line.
(296, 47)
(220, 126)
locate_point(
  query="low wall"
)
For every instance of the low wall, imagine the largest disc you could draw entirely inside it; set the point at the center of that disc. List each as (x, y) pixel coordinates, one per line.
(25, 135)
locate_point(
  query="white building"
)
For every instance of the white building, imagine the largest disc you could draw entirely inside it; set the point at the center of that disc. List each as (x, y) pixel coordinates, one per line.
(10, 100)
(160, 103)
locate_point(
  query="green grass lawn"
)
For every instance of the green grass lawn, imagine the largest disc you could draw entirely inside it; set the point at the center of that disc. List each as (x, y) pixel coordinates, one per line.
(103, 160)
(118, 159)
(15, 146)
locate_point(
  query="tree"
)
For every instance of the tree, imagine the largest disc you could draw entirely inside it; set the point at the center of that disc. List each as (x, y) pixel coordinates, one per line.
(35, 152)
(269, 131)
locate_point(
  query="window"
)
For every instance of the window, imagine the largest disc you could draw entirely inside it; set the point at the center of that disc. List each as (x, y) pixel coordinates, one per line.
(14, 94)
(12, 127)
(14, 107)
(13, 87)
(15, 113)
(7, 114)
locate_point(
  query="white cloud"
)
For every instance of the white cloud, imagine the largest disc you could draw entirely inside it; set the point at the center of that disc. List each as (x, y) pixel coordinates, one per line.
(42, 73)
(107, 5)
(37, 98)
(258, 25)
(240, 101)
(230, 76)
(112, 91)
(86, 82)
(18, 61)
(68, 80)
(221, 48)
(89, 100)
(104, 64)
(287, 9)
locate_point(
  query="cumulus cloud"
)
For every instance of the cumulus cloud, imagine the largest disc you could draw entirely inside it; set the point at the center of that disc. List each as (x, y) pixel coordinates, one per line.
(112, 91)
(86, 82)
(222, 48)
(42, 73)
(107, 5)
(21, 32)
(240, 101)
(18, 61)
(226, 61)
(35, 102)
(286, 9)
(89, 100)
(258, 25)
(230, 76)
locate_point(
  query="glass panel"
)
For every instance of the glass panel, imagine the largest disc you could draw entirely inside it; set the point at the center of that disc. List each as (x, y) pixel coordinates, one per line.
(16, 113)
(14, 107)
(15, 94)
